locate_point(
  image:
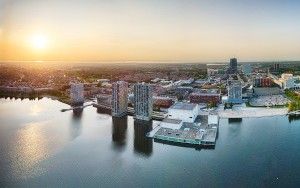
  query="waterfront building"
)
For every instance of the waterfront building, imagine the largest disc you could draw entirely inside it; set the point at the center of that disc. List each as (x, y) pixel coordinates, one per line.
(76, 93)
(143, 101)
(104, 99)
(206, 96)
(234, 91)
(119, 98)
(187, 112)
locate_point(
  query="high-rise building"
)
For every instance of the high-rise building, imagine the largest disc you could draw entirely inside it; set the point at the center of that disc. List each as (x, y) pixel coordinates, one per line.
(247, 69)
(235, 92)
(143, 101)
(232, 66)
(119, 98)
(76, 93)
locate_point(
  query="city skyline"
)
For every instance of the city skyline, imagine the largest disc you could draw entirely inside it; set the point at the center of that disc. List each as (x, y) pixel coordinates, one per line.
(191, 31)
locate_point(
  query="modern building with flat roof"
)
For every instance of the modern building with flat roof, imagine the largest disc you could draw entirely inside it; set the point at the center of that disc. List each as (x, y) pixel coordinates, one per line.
(119, 98)
(232, 66)
(187, 112)
(206, 96)
(234, 92)
(143, 101)
(76, 93)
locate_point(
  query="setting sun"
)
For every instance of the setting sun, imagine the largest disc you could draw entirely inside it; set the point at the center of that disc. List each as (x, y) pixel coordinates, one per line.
(39, 41)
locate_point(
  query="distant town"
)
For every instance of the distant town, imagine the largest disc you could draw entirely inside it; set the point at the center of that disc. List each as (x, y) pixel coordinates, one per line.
(187, 99)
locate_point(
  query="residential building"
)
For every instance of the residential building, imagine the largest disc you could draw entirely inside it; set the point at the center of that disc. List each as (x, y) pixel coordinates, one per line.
(262, 81)
(119, 98)
(234, 91)
(76, 93)
(143, 101)
(207, 96)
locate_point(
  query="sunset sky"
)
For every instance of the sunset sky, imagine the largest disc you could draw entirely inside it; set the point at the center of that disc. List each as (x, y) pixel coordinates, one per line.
(186, 30)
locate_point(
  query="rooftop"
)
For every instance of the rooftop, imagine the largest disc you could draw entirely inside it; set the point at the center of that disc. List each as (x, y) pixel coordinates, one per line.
(183, 106)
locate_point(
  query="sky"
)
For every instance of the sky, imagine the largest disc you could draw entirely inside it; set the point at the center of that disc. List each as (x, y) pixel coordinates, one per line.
(153, 30)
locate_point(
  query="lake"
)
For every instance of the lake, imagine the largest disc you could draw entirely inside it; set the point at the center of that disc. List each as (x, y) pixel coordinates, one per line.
(40, 146)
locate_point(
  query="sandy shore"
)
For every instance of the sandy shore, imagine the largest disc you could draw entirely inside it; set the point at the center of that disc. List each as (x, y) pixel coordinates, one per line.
(250, 112)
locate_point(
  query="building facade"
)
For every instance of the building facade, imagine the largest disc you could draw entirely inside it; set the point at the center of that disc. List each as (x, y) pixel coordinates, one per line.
(119, 98)
(187, 112)
(232, 66)
(210, 96)
(76, 93)
(143, 101)
(262, 82)
(234, 92)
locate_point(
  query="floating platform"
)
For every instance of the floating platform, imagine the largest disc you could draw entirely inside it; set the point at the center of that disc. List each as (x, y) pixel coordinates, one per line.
(199, 133)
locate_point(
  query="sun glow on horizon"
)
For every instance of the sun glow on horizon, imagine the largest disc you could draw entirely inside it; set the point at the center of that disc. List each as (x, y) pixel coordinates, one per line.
(39, 41)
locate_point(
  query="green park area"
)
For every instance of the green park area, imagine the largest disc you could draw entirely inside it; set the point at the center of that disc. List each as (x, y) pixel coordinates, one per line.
(295, 100)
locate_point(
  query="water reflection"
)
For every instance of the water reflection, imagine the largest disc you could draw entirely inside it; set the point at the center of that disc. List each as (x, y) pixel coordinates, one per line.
(235, 120)
(142, 144)
(293, 118)
(75, 126)
(119, 132)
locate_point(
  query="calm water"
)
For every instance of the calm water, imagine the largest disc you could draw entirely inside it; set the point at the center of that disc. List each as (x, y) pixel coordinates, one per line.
(41, 146)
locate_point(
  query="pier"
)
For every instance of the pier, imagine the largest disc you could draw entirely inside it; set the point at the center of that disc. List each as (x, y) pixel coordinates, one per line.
(130, 111)
(297, 112)
(75, 107)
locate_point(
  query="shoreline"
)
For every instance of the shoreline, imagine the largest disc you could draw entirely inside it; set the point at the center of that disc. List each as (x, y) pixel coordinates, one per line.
(252, 112)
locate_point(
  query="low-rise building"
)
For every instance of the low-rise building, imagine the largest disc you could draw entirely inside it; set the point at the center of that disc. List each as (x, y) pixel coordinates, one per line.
(187, 112)
(207, 96)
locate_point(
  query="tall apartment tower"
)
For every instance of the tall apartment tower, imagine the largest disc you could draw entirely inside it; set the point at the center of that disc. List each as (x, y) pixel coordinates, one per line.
(76, 93)
(119, 98)
(235, 92)
(233, 66)
(143, 101)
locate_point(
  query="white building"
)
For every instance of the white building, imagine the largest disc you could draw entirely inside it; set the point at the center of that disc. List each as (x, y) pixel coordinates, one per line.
(211, 72)
(187, 112)
(143, 101)
(288, 81)
(119, 98)
(76, 93)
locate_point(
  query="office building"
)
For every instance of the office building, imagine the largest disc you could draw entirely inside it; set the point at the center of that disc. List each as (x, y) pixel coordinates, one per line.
(232, 66)
(119, 98)
(76, 93)
(143, 101)
(234, 92)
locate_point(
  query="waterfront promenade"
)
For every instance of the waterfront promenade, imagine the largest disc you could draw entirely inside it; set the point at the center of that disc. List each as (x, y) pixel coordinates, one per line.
(251, 112)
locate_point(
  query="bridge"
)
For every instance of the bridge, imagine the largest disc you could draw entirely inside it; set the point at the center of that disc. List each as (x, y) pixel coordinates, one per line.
(76, 107)
(130, 111)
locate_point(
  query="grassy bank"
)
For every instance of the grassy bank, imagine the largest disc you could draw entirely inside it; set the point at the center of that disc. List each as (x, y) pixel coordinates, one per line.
(295, 100)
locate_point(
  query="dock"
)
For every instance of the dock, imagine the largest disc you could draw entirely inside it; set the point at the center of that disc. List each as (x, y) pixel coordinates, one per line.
(199, 133)
(76, 107)
(159, 116)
